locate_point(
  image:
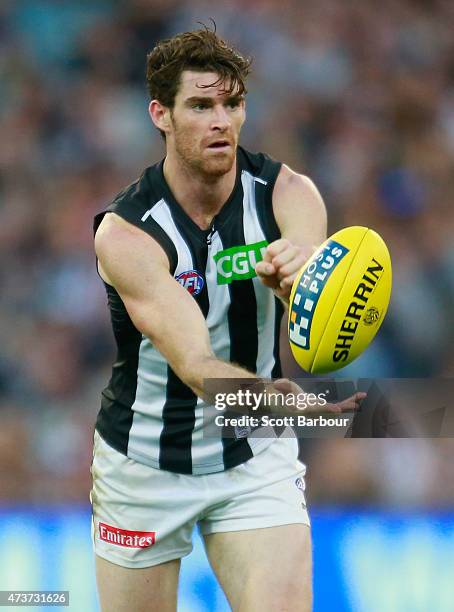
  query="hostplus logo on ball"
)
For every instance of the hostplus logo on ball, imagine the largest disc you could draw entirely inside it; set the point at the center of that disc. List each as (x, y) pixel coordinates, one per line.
(191, 280)
(309, 289)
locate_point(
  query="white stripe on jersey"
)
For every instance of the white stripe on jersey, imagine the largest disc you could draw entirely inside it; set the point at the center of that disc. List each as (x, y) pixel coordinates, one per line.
(266, 307)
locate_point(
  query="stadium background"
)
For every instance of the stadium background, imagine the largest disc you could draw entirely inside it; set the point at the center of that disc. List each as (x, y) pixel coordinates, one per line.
(358, 95)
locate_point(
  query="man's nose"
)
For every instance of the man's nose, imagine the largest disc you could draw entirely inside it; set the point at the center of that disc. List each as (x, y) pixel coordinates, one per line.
(220, 118)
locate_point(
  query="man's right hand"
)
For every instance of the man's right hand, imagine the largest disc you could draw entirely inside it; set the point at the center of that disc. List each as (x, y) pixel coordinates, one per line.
(288, 387)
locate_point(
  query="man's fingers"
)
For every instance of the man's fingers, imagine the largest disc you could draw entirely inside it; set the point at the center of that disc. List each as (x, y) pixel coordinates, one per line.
(280, 265)
(264, 268)
(284, 385)
(292, 267)
(267, 274)
(276, 247)
(351, 403)
(357, 397)
(287, 255)
(287, 282)
(288, 387)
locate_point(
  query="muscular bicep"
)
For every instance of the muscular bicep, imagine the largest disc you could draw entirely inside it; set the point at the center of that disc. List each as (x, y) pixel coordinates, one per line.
(299, 209)
(159, 306)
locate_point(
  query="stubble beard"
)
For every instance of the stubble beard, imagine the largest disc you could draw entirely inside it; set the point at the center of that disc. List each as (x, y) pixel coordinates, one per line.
(210, 167)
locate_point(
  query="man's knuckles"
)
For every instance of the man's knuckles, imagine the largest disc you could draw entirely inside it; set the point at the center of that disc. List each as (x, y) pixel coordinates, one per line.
(286, 256)
(287, 282)
(277, 247)
(264, 268)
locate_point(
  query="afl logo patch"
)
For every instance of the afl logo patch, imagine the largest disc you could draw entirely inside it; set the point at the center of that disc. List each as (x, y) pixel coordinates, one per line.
(191, 280)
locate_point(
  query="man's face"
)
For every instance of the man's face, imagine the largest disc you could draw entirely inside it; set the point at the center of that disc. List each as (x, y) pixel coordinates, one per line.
(205, 124)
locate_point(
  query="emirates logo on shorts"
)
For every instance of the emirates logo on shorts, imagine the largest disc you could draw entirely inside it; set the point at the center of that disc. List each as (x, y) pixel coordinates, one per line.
(126, 538)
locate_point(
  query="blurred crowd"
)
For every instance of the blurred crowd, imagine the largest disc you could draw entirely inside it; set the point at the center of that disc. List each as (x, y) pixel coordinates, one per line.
(358, 95)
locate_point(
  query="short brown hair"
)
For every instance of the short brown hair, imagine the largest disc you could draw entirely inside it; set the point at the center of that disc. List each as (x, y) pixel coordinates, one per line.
(201, 50)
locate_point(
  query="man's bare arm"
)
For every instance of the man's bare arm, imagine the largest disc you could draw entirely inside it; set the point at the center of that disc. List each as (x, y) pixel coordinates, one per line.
(301, 217)
(159, 306)
(299, 209)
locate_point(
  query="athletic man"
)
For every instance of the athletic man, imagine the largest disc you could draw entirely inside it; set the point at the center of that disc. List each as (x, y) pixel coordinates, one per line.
(191, 254)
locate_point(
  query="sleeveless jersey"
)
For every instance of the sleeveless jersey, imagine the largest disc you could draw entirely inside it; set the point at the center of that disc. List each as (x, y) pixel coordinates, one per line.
(147, 412)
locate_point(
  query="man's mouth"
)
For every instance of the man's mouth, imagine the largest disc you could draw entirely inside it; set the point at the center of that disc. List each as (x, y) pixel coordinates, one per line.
(219, 145)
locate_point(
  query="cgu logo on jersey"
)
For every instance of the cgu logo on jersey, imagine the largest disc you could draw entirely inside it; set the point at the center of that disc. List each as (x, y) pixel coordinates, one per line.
(191, 280)
(238, 263)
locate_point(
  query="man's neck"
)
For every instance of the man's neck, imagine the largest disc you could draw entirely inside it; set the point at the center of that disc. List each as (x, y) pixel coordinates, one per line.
(200, 196)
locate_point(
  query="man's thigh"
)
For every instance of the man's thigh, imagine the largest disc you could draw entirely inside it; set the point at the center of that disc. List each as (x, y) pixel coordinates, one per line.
(142, 517)
(151, 589)
(264, 570)
(142, 525)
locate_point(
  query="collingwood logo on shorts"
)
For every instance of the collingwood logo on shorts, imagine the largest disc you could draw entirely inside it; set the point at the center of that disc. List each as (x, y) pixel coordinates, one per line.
(242, 431)
(300, 484)
(238, 263)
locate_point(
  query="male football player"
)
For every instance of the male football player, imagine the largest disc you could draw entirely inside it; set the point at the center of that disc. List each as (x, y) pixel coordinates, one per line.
(198, 257)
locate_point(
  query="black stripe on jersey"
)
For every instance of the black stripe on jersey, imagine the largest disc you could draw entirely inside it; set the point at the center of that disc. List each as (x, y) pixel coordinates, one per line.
(179, 415)
(242, 320)
(272, 232)
(265, 212)
(114, 420)
(178, 419)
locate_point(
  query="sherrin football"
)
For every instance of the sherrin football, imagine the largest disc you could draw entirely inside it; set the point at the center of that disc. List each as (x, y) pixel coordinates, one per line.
(339, 299)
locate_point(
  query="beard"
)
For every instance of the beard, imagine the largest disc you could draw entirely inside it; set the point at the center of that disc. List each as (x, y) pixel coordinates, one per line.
(206, 162)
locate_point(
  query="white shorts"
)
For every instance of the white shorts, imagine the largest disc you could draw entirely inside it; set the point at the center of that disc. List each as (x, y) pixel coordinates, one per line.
(143, 516)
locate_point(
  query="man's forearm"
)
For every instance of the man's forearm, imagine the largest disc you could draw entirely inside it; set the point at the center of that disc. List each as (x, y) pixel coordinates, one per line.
(211, 367)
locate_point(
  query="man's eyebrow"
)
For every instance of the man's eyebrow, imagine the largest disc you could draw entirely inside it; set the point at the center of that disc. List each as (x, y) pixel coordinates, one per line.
(209, 99)
(198, 99)
(235, 98)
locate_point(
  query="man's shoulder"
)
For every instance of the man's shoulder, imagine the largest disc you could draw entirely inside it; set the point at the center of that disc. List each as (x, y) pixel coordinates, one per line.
(140, 189)
(260, 165)
(294, 183)
(134, 200)
(132, 216)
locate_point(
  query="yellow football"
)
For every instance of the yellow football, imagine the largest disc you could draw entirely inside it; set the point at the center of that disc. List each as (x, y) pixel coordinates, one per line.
(339, 299)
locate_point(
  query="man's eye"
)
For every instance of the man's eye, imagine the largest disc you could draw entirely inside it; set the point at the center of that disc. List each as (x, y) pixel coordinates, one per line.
(233, 104)
(199, 106)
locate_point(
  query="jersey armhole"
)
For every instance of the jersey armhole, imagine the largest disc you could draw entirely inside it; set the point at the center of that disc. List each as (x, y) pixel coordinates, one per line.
(267, 219)
(152, 228)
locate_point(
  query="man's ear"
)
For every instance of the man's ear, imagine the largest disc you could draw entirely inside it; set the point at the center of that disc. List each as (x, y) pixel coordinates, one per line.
(160, 115)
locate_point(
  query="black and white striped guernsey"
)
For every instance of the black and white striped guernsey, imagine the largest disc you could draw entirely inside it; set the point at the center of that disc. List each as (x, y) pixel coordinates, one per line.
(147, 412)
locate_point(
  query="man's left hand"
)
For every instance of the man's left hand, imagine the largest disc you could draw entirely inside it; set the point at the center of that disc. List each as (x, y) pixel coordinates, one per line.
(280, 266)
